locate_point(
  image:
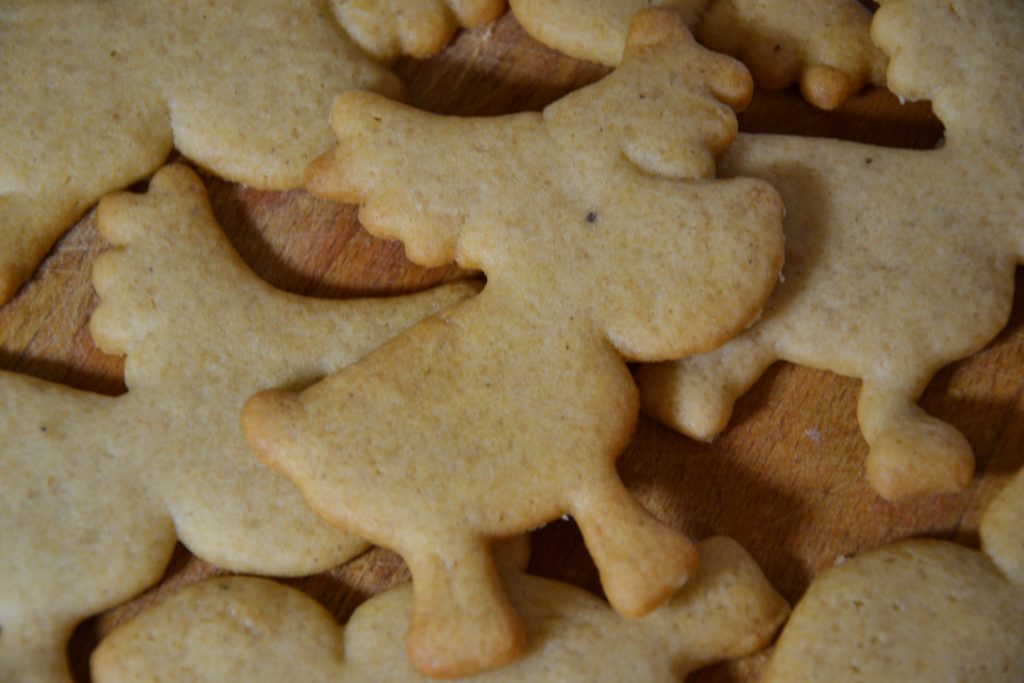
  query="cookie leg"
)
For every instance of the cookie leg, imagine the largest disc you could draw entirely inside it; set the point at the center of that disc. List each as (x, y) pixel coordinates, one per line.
(642, 561)
(462, 621)
(695, 396)
(911, 452)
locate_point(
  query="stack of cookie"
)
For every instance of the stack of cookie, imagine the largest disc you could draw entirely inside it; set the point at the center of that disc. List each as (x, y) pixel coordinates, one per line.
(624, 247)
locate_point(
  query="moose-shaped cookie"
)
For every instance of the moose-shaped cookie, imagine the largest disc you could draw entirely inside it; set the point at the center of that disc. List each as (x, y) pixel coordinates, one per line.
(605, 239)
(235, 629)
(96, 490)
(916, 611)
(897, 261)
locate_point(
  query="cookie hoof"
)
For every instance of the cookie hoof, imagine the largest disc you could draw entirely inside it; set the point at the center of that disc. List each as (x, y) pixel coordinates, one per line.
(924, 456)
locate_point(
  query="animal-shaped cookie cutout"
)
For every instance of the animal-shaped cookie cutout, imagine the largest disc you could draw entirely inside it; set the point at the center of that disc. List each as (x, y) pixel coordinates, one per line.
(604, 239)
(256, 630)
(95, 490)
(821, 44)
(916, 611)
(95, 94)
(897, 261)
(388, 29)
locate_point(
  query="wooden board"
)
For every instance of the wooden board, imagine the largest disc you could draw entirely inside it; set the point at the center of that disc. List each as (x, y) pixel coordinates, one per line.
(786, 479)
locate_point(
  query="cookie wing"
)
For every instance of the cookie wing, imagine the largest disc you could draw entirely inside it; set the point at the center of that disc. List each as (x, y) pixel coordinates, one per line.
(175, 297)
(423, 178)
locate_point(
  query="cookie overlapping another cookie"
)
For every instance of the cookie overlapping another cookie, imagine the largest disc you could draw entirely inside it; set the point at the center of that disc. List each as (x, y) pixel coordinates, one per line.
(822, 44)
(95, 94)
(96, 490)
(256, 630)
(388, 29)
(604, 238)
(897, 261)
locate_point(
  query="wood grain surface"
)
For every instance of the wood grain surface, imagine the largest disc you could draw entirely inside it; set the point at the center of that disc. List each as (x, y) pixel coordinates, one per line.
(786, 479)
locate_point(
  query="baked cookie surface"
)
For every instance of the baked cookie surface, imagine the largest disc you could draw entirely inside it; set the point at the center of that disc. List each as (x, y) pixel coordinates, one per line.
(510, 410)
(97, 93)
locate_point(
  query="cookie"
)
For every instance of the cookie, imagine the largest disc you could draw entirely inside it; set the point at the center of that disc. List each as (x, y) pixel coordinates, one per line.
(388, 29)
(604, 239)
(594, 30)
(97, 489)
(822, 44)
(256, 630)
(97, 93)
(916, 611)
(897, 261)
